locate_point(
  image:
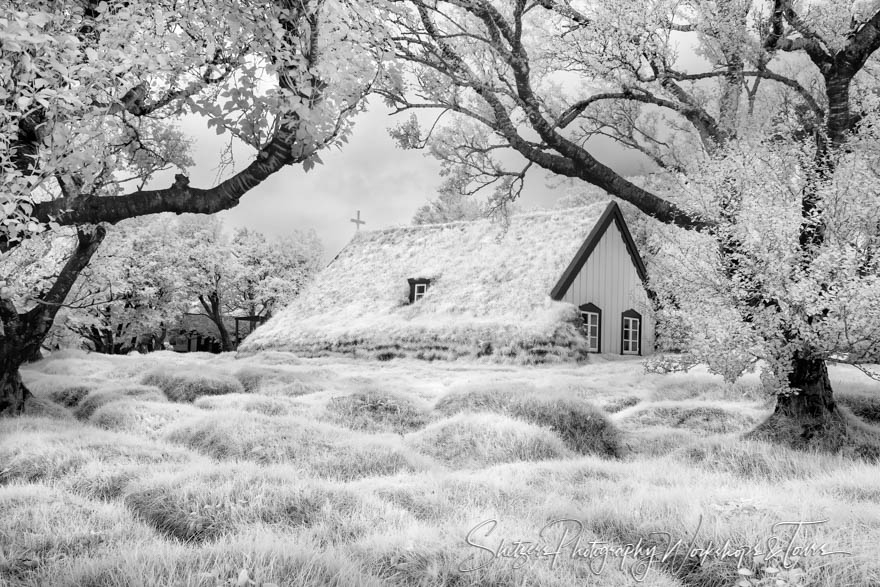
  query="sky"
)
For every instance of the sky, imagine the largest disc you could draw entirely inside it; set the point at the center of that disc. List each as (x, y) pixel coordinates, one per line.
(370, 174)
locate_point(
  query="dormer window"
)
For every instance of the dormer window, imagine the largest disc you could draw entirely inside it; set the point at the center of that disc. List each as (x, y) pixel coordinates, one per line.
(418, 287)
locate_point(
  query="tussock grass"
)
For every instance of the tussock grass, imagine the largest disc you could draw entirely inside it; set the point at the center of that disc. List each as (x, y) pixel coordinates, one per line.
(38, 406)
(703, 386)
(621, 403)
(581, 426)
(41, 524)
(188, 385)
(862, 403)
(378, 411)
(323, 450)
(114, 392)
(478, 440)
(261, 404)
(216, 500)
(30, 455)
(257, 378)
(265, 558)
(758, 460)
(697, 416)
(143, 418)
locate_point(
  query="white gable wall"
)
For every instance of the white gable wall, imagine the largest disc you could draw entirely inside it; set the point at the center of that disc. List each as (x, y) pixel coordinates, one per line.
(610, 281)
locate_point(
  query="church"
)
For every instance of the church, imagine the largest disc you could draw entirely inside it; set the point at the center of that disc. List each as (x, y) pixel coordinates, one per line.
(542, 287)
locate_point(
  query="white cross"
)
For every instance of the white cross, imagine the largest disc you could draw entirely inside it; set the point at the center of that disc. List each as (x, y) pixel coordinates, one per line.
(357, 221)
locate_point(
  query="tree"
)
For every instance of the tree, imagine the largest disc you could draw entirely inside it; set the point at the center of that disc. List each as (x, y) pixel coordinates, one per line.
(90, 93)
(130, 289)
(448, 206)
(270, 273)
(205, 265)
(541, 78)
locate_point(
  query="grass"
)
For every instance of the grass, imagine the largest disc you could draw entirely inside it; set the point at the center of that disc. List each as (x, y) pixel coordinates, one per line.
(115, 392)
(580, 425)
(375, 411)
(321, 449)
(374, 474)
(187, 386)
(477, 440)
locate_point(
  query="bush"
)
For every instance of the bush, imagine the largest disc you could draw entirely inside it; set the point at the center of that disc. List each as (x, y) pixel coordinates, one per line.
(581, 426)
(115, 392)
(187, 386)
(478, 440)
(377, 411)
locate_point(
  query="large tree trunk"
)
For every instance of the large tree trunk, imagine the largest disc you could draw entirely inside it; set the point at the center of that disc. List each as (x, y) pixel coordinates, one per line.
(808, 417)
(21, 335)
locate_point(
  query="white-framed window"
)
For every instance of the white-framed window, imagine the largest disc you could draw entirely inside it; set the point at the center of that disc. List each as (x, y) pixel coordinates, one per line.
(419, 291)
(418, 287)
(631, 334)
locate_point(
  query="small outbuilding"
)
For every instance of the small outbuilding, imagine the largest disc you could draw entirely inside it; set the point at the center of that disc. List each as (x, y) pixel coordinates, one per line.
(547, 286)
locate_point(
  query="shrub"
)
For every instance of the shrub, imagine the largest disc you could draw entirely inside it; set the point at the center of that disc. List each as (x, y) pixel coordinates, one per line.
(186, 386)
(377, 411)
(477, 440)
(115, 392)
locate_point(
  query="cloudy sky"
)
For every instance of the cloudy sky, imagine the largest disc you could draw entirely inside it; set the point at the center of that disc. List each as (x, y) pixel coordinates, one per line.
(370, 174)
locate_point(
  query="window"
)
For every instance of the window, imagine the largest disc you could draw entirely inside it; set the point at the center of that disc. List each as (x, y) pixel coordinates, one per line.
(592, 328)
(419, 293)
(631, 333)
(418, 287)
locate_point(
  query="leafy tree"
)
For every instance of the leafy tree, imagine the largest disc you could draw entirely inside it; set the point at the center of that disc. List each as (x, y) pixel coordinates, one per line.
(129, 289)
(90, 93)
(448, 206)
(271, 272)
(754, 131)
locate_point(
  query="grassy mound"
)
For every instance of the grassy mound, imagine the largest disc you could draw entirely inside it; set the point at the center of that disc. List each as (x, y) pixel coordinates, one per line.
(479, 440)
(621, 403)
(213, 501)
(41, 524)
(864, 404)
(581, 426)
(114, 392)
(146, 418)
(247, 402)
(692, 416)
(260, 560)
(188, 385)
(258, 378)
(377, 411)
(30, 455)
(325, 451)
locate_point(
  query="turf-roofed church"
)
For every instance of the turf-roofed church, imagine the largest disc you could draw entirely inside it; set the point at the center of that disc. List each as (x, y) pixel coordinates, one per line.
(549, 286)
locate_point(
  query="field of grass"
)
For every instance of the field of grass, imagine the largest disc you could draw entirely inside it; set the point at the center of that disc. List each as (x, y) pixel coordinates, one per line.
(204, 470)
